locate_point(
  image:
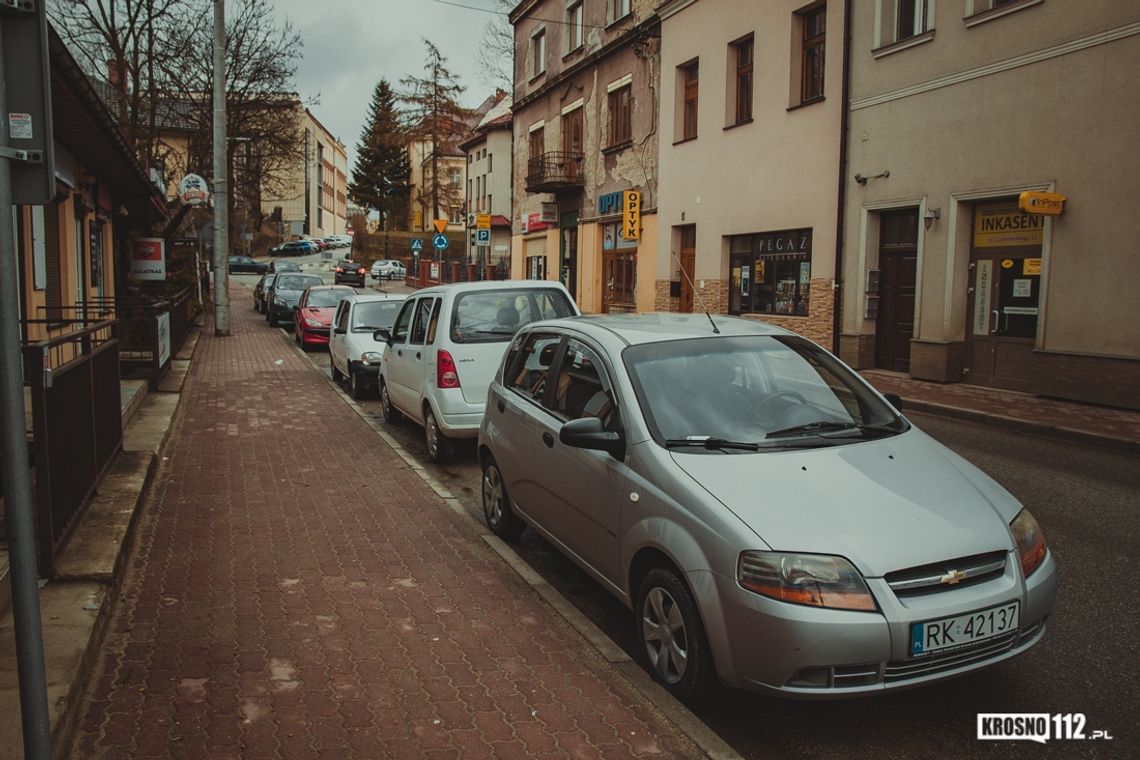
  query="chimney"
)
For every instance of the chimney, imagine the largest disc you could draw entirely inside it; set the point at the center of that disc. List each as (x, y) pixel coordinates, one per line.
(117, 74)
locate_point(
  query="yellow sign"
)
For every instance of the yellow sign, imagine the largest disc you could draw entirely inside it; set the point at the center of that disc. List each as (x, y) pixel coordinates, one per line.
(440, 225)
(1031, 266)
(1052, 204)
(483, 221)
(631, 215)
(1007, 263)
(417, 220)
(1004, 226)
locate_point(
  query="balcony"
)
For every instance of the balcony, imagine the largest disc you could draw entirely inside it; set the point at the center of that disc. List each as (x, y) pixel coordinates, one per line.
(554, 172)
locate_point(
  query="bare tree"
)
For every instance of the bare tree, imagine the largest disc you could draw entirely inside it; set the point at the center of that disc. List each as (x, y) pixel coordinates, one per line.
(497, 49)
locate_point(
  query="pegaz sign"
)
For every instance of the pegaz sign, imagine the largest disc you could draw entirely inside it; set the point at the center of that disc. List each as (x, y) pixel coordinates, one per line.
(1004, 225)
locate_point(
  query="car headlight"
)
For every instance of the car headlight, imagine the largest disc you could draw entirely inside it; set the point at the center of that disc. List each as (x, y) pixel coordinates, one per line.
(278, 300)
(1030, 541)
(371, 357)
(813, 579)
(314, 323)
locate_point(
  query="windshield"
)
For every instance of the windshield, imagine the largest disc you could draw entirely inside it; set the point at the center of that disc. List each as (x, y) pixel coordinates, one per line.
(494, 316)
(296, 282)
(330, 297)
(755, 389)
(376, 315)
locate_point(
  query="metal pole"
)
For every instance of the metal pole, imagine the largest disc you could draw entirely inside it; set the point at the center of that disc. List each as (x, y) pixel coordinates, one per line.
(17, 481)
(221, 190)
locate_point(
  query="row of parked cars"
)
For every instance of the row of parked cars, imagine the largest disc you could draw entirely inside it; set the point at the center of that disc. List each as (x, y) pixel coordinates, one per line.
(773, 521)
(310, 245)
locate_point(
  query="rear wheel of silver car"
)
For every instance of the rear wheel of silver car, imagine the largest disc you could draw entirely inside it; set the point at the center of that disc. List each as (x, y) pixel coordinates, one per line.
(671, 631)
(391, 416)
(439, 446)
(497, 505)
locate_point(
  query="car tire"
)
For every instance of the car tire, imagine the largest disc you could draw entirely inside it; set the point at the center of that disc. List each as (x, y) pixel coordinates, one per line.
(497, 512)
(439, 446)
(669, 627)
(391, 414)
(356, 384)
(337, 375)
(297, 337)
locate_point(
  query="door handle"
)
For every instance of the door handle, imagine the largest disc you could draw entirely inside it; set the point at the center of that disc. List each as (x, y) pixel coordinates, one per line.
(417, 354)
(501, 405)
(997, 316)
(399, 353)
(548, 439)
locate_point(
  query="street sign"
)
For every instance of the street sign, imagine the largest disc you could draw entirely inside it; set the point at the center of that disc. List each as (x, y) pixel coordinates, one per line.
(417, 244)
(483, 237)
(440, 225)
(26, 76)
(631, 215)
(483, 221)
(439, 241)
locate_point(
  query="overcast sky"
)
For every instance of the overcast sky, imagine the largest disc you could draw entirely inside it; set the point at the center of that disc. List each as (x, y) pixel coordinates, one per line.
(351, 44)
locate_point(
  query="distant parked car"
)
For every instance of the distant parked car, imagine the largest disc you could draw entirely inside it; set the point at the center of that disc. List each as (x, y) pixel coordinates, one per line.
(354, 351)
(294, 248)
(350, 272)
(445, 347)
(261, 291)
(339, 241)
(285, 294)
(284, 266)
(314, 312)
(244, 264)
(388, 269)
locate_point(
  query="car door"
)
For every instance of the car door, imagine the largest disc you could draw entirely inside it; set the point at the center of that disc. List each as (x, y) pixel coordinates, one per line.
(514, 407)
(339, 336)
(581, 489)
(406, 360)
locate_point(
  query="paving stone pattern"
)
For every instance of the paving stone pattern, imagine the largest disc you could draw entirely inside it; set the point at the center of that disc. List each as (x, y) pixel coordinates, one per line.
(295, 591)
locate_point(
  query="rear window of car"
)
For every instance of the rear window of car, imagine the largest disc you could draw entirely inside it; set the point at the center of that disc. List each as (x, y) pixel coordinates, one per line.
(297, 281)
(494, 316)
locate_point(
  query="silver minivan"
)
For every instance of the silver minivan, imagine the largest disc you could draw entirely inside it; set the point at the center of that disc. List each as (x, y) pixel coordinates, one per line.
(446, 345)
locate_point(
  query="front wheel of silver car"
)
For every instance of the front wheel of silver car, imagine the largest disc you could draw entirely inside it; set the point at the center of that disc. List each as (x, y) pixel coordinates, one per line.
(391, 415)
(671, 632)
(439, 446)
(497, 511)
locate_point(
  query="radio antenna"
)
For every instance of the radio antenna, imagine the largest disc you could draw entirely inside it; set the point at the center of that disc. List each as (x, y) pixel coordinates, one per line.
(696, 293)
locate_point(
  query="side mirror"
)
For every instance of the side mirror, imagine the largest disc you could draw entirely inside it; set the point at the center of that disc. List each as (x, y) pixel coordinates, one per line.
(339, 330)
(589, 433)
(894, 400)
(382, 336)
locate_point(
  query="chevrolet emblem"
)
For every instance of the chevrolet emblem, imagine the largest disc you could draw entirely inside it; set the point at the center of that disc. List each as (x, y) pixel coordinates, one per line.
(953, 577)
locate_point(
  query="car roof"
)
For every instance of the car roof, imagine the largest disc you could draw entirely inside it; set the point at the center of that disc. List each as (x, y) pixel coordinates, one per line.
(330, 287)
(653, 327)
(493, 285)
(366, 297)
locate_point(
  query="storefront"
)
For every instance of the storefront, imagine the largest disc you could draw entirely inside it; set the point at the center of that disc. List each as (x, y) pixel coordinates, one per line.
(770, 273)
(621, 234)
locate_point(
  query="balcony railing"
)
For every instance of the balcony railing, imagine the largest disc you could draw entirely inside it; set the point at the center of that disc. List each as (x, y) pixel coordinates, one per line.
(555, 171)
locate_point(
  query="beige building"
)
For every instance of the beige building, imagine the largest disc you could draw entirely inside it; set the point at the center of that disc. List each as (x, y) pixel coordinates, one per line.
(451, 164)
(750, 124)
(585, 134)
(315, 203)
(956, 109)
(489, 185)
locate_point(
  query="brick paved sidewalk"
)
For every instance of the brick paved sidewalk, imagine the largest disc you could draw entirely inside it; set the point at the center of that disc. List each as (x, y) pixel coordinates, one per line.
(296, 591)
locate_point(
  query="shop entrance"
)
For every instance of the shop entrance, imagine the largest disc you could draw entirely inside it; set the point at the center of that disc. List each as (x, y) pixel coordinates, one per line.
(898, 258)
(1005, 289)
(688, 267)
(619, 271)
(568, 272)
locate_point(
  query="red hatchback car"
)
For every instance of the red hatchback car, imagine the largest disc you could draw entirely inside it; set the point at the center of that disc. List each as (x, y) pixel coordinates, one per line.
(313, 316)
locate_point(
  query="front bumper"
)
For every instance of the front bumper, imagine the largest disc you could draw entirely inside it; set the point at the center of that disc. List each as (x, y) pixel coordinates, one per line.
(851, 653)
(316, 336)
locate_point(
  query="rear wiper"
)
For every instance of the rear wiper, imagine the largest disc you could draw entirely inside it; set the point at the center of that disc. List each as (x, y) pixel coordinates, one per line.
(711, 443)
(827, 426)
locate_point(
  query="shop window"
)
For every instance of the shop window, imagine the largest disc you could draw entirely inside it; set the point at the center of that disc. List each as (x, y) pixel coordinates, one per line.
(621, 113)
(536, 267)
(770, 273)
(741, 57)
(813, 25)
(619, 270)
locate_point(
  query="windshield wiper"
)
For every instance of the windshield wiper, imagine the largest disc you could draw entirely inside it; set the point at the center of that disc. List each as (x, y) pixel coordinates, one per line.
(828, 426)
(711, 443)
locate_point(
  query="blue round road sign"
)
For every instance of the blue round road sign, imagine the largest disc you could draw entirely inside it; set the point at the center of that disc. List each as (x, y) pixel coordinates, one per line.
(439, 241)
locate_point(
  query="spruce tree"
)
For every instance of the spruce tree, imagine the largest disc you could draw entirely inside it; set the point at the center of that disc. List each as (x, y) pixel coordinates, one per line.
(380, 174)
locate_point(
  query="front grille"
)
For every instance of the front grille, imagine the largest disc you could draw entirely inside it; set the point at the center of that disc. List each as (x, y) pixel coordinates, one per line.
(937, 576)
(901, 670)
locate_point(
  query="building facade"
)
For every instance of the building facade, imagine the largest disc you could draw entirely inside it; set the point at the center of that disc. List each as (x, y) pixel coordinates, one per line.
(314, 203)
(956, 110)
(489, 187)
(750, 126)
(585, 160)
(424, 161)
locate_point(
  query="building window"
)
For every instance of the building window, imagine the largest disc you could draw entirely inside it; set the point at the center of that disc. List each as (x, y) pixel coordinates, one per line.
(538, 53)
(899, 20)
(689, 76)
(742, 53)
(573, 25)
(537, 142)
(490, 163)
(616, 9)
(814, 24)
(770, 273)
(456, 178)
(621, 108)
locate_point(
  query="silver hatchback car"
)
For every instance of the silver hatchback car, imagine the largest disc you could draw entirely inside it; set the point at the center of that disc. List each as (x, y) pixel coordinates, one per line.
(769, 517)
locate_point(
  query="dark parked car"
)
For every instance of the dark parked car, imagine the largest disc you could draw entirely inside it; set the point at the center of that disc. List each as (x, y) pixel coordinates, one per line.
(294, 248)
(261, 291)
(285, 294)
(284, 266)
(240, 264)
(350, 272)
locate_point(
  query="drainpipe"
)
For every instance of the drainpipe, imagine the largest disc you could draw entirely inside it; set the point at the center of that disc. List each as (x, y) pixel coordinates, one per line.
(841, 204)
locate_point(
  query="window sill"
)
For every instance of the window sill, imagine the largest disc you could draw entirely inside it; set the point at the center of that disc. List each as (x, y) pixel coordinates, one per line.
(740, 123)
(1003, 10)
(536, 77)
(617, 147)
(684, 140)
(906, 44)
(573, 53)
(811, 102)
(618, 20)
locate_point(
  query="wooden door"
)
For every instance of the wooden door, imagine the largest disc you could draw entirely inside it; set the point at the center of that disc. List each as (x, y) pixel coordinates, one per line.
(688, 267)
(898, 263)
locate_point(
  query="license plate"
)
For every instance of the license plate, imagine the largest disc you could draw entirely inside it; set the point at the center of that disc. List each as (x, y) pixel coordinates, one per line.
(948, 633)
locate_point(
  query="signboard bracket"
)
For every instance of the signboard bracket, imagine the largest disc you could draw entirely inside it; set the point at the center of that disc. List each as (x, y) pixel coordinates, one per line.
(27, 156)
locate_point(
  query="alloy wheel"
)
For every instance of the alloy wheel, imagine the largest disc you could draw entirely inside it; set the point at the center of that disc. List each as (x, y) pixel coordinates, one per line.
(663, 633)
(493, 496)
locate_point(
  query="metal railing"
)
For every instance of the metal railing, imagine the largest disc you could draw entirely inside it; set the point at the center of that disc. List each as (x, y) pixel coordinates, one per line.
(76, 424)
(554, 170)
(151, 331)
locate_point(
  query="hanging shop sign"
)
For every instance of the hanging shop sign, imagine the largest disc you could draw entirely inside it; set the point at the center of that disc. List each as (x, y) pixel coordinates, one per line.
(148, 259)
(193, 190)
(1006, 226)
(631, 215)
(1050, 204)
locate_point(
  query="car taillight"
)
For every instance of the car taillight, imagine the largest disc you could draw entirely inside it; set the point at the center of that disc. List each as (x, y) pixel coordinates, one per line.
(339, 269)
(446, 374)
(360, 271)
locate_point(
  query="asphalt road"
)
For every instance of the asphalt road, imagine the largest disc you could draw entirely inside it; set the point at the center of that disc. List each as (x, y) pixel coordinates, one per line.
(1084, 498)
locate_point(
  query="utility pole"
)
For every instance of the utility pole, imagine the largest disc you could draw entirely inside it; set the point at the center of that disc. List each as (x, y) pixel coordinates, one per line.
(221, 174)
(25, 78)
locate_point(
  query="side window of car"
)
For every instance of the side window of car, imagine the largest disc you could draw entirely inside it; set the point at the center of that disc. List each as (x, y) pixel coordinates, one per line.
(529, 372)
(434, 321)
(400, 328)
(342, 311)
(582, 389)
(420, 325)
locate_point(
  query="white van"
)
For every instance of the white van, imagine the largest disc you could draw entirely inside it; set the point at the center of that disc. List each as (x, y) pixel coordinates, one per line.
(445, 346)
